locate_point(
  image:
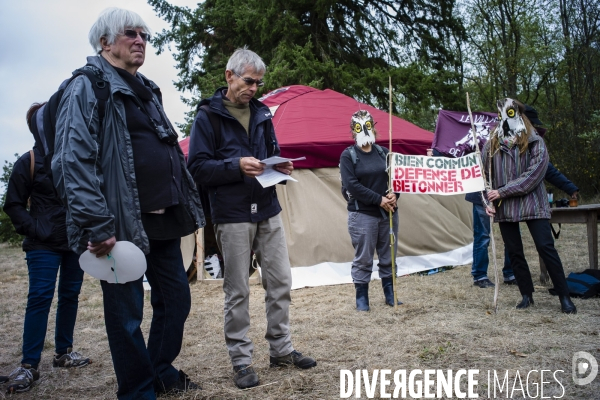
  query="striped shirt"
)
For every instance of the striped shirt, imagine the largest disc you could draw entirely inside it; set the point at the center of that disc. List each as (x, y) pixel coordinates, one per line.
(519, 179)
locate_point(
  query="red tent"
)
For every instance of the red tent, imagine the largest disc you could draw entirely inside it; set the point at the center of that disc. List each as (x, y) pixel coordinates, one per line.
(316, 124)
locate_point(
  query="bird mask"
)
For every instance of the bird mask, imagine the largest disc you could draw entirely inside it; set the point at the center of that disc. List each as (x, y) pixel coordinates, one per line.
(363, 128)
(511, 124)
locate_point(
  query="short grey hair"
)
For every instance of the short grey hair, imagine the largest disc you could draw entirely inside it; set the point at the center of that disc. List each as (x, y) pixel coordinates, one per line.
(243, 58)
(113, 22)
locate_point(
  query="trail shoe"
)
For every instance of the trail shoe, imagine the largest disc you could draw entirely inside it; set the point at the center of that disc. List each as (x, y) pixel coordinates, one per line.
(362, 296)
(510, 281)
(21, 379)
(526, 302)
(294, 358)
(566, 305)
(244, 377)
(483, 283)
(182, 384)
(388, 291)
(71, 359)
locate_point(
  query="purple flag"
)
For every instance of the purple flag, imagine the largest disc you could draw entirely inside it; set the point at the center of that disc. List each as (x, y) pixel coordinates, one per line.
(453, 136)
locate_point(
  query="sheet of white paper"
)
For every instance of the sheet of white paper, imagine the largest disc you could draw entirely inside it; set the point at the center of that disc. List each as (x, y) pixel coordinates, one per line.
(271, 177)
(278, 160)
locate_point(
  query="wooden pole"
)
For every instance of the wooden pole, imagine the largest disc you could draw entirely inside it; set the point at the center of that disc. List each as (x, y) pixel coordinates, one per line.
(392, 236)
(485, 202)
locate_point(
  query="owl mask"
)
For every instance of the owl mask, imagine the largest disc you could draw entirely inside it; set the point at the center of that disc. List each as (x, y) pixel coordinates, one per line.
(363, 128)
(511, 124)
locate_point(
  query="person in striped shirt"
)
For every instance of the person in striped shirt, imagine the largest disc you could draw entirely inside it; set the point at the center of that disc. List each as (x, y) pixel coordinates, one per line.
(519, 160)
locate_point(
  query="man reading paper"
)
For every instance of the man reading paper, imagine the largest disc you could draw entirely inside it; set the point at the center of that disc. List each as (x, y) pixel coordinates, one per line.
(230, 134)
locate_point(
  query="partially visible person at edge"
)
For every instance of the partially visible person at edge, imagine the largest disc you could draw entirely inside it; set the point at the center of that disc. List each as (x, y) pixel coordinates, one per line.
(126, 180)
(224, 160)
(37, 213)
(365, 180)
(519, 162)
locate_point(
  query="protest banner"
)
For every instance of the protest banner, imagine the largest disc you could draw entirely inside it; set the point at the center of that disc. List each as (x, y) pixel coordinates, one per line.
(435, 175)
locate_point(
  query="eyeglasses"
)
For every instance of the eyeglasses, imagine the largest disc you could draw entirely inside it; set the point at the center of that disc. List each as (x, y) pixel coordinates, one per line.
(250, 81)
(131, 34)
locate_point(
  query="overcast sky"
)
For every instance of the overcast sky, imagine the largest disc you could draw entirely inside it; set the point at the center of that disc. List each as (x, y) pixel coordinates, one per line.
(43, 41)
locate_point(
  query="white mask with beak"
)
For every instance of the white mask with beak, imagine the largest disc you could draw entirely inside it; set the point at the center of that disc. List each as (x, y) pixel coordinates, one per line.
(363, 128)
(511, 124)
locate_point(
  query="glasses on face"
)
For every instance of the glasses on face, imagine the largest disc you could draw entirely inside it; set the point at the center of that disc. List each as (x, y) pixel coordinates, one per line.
(131, 34)
(250, 81)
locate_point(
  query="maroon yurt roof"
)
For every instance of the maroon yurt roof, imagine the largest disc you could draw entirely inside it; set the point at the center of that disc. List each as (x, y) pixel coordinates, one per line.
(315, 124)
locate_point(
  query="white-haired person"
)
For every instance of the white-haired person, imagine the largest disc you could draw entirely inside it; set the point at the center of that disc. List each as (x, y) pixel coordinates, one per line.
(519, 159)
(225, 160)
(365, 180)
(123, 178)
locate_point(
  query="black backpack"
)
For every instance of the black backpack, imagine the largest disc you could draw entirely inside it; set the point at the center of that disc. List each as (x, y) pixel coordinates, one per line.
(48, 129)
(345, 193)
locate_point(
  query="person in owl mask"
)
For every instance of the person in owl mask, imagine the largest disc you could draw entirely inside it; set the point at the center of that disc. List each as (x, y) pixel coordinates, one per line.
(519, 159)
(365, 182)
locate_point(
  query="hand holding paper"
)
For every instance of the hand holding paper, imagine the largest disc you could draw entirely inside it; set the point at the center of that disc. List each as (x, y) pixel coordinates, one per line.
(272, 176)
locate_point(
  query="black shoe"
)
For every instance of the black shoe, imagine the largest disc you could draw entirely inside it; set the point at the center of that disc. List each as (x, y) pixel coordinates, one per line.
(245, 377)
(483, 283)
(525, 302)
(510, 281)
(566, 305)
(3, 379)
(294, 358)
(388, 291)
(21, 379)
(362, 296)
(182, 384)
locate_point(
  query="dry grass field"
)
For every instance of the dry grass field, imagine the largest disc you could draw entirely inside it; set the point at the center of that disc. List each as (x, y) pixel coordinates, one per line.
(445, 323)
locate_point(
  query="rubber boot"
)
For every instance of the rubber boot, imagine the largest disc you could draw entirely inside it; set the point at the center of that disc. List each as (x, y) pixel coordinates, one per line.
(388, 291)
(362, 296)
(526, 302)
(566, 305)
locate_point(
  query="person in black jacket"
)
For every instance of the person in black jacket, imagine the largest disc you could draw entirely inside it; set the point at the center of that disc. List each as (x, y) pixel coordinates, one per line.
(36, 212)
(365, 179)
(224, 158)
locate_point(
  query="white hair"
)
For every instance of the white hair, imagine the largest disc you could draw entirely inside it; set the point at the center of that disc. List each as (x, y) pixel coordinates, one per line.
(243, 58)
(113, 22)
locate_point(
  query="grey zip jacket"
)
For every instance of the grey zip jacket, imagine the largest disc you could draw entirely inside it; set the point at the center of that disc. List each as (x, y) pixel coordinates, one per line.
(93, 169)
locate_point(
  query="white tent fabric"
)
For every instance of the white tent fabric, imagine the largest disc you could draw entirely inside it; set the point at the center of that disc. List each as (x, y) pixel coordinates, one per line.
(434, 231)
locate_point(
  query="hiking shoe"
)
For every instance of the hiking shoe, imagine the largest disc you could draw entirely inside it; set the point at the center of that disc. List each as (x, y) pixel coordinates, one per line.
(510, 281)
(71, 359)
(294, 358)
(183, 384)
(483, 283)
(244, 377)
(21, 379)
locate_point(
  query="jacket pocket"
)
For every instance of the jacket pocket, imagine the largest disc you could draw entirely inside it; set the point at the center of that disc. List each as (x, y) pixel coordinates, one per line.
(43, 229)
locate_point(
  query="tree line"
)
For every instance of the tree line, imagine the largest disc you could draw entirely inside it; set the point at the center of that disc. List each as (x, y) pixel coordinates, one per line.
(545, 53)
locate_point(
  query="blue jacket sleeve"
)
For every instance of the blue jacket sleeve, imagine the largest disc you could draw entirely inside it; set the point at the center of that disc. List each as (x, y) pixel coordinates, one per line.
(17, 193)
(202, 163)
(556, 178)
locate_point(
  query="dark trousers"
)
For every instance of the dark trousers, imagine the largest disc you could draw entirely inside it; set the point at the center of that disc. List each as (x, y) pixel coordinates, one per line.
(143, 370)
(544, 243)
(44, 266)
